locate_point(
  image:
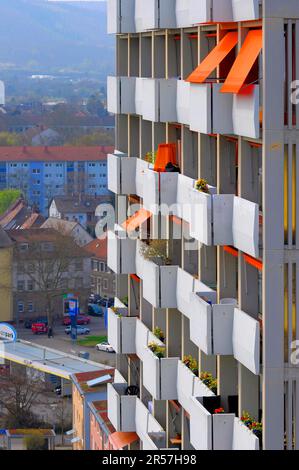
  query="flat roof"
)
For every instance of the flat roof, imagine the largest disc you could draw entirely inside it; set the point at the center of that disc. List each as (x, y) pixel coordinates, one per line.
(47, 360)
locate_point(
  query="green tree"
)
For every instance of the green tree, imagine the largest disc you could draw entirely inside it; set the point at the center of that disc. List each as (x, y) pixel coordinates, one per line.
(94, 139)
(95, 105)
(7, 197)
(9, 139)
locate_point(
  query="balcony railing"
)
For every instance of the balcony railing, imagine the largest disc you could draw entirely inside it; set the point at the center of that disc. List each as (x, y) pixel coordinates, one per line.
(122, 331)
(121, 253)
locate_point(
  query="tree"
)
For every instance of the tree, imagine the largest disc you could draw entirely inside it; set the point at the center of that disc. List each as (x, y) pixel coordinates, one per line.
(36, 442)
(95, 105)
(91, 140)
(9, 139)
(18, 395)
(63, 418)
(7, 197)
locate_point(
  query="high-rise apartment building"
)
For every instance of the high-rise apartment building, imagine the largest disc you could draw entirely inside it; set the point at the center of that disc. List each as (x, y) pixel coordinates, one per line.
(207, 350)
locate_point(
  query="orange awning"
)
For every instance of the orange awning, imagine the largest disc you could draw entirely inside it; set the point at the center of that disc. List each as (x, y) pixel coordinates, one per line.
(166, 154)
(119, 440)
(216, 56)
(136, 220)
(244, 62)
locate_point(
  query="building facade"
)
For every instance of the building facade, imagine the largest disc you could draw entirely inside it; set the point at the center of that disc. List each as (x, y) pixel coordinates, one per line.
(213, 307)
(103, 280)
(44, 172)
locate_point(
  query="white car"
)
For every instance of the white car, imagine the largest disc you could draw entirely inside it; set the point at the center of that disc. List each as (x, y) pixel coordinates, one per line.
(81, 330)
(105, 346)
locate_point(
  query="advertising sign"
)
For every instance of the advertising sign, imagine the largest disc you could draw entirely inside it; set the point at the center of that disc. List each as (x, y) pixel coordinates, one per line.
(7, 332)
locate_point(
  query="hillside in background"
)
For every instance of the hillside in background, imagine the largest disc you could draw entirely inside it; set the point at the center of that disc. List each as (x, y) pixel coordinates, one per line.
(43, 35)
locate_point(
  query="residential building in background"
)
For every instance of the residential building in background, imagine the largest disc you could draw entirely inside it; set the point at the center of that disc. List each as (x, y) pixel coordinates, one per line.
(19, 216)
(42, 173)
(206, 342)
(43, 261)
(103, 280)
(6, 285)
(71, 229)
(78, 208)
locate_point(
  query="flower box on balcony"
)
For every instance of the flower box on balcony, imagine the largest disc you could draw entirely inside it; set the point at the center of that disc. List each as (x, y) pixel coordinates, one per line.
(121, 408)
(211, 325)
(160, 375)
(188, 386)
(246, 341)
(244, 438)
(121, 257)
(210, 431)
(121, 174)
(122, 331)
(120, 16)
(246, 113)
(154, 14)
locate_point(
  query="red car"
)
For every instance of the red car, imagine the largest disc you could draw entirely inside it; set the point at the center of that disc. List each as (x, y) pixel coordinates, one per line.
(81, 320)
(39, 328)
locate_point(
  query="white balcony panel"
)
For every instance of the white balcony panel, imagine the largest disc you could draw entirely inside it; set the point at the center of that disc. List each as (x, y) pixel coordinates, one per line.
(139, 95)
(201, 324)
(200, 426)
(223, 428)
(127, 95)
(154, 14)
(184, 197)
(201, 218)
(188, 386)
(150, 101)
(121, 408)
(245, 10)
(161, 190)
(147, 427)
(151, 283)
(113, 95)
(246, 226)
(139, 260)
(114, 173)
(222, 111)
(243, 438)
(200, 108)
(203, 11)
(121, 174)
(141, 170)
(223, 205)
(121, 333)
(168, 191)
(120, 16)
(160, 376)
(142, 339)
(246, 341)
(246, 113)
(121, 254)
(182, 102)
(167, 100)
(223, 318)
(182, 10)
(185, 287)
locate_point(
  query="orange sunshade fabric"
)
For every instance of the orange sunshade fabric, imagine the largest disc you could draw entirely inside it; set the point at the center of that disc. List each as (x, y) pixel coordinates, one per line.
(119, 440)
(166, 154)
(216, 56)
(136, 220)
(244, 62)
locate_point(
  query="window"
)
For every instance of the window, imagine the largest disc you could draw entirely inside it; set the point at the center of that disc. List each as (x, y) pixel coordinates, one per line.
(47, 246)
(30, 306)
(30, 285)
(102, 267)
(105, 284)
(20, 307)
(23, 247)
(94, 265)
(21, 285)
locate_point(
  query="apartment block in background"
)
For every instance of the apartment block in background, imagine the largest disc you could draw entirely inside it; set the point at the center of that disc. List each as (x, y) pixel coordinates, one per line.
(208, 86)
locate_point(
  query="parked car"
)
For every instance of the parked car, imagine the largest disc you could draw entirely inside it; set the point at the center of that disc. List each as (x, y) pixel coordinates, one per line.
(95, 310)
(39, 328)
(105, 346)
(81, 320)
(81, 330)
(29, 321)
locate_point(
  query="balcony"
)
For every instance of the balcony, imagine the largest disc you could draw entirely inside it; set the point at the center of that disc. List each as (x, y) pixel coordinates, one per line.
(246, 341)
(121, 174)
(188, 386)
(154, 14)
(160, 375)
(159, 99)
(151, 434)
(120, 16)
(244, 10)
(122, 331)
(243, 438)
(246, 113)
(121, 408)
(121, 93)
(182, 102)
(245, 226)
(121, 253)
(161, 189)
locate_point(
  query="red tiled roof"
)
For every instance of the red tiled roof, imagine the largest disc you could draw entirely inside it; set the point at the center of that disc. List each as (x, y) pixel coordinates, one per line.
(83, 377)
(9, 216)
(98, 248)
(62, 154)
(30, 221)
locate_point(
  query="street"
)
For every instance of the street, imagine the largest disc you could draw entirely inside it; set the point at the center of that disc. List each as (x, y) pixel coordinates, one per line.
(63, 342)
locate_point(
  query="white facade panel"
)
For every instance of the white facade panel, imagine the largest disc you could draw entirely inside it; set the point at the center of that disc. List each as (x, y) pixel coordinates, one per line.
(184, 289)
(246, 341)
(168, 284)
(222, 111)
(246, 113)
(246, 226)
(182, 10)
(151, 283)
(223, 205)
(200, 426)
(151, 194)
(139, 95)
(167, 100)
(223, 318)
(182, 102)
(121, 257)
(200, 106)
(168, 190)
(201, 218)
(127, 95)
(245, 10)
(201, 324)
(223, 428)
(150, 105)
(121, 333)
(142, 338)
(140, 178)
(113, 95)
(113, 163)
(188, 386)
(121, 408)
(184, 197)
(243, 438)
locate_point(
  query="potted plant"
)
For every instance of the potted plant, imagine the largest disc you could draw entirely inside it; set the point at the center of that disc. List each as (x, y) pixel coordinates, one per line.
(159, 333)
(156, 250)
(255, 426)
(219, 411)
(191, 363)
(202, 185)
(159, 351)
(209, 381)
(150, 157)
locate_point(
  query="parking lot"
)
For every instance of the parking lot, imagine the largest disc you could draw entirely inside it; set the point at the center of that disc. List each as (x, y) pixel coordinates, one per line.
(64, 343)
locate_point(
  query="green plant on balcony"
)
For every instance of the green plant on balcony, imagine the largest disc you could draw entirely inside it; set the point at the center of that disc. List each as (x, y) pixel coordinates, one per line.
(209, 381)
(159, 333)
(159, 351)
(255, 426)
(125, 300)
(150, 157)
(191, 363)
(156, 250)
(202, 185)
